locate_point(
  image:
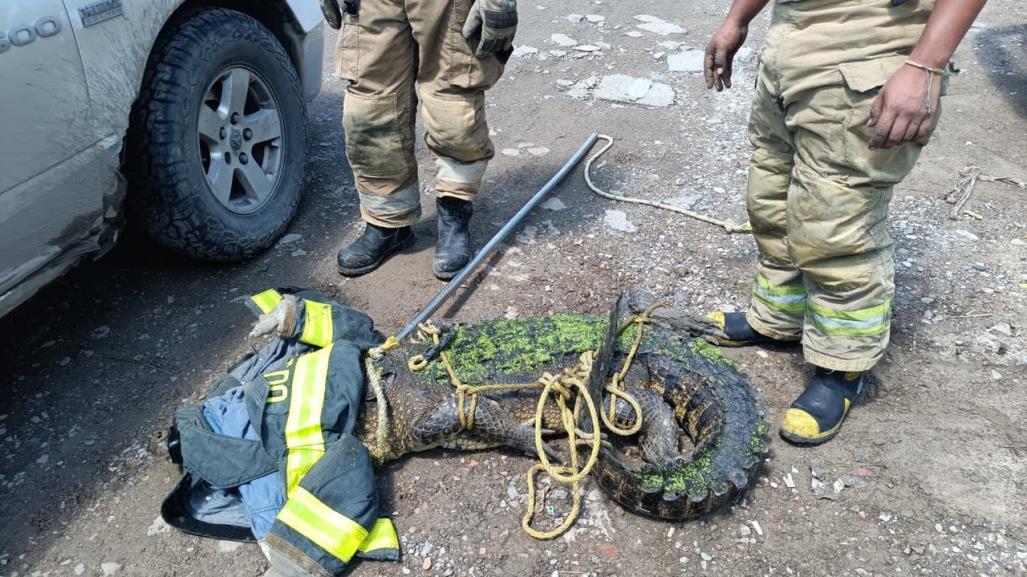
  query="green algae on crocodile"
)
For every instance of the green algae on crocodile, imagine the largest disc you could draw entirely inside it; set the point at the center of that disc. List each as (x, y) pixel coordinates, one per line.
(712, 400)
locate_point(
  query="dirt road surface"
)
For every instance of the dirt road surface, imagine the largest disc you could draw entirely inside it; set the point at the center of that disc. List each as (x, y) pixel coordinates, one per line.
(931, 473)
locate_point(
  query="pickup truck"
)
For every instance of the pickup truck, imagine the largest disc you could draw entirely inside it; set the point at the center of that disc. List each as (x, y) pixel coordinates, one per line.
(185, 119)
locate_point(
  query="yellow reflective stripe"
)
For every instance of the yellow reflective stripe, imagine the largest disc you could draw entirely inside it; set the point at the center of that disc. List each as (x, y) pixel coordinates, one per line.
(303, 434)
(787, 298)
(328, 529)
(267, 300)
(382, 536)
(858, 323)
(317, 324)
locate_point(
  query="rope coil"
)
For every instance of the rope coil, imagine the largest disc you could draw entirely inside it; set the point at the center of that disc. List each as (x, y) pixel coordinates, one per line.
(727, 225)
(571, 383)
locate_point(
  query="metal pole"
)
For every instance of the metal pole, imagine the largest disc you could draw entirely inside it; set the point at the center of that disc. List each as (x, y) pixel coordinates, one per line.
(500, 236)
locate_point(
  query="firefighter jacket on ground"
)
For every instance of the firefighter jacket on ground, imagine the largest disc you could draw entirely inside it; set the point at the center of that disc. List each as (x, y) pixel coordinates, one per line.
(269, 456)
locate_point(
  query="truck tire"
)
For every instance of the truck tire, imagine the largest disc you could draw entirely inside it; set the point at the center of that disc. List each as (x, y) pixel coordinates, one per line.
(217, 141)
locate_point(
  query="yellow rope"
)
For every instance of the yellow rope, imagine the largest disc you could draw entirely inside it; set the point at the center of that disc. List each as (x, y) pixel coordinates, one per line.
(727, 225)
(562, 388)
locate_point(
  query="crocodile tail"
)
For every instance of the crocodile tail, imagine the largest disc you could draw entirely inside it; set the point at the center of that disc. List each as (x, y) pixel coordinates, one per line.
(722, 416)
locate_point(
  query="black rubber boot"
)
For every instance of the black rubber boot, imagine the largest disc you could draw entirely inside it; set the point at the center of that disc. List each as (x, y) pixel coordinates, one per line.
(817, 415)
(373, 247)
(738, 331)
(454, 249)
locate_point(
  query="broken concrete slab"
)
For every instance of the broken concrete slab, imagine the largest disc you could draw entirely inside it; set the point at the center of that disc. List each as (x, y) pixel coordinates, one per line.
(687, 61)
(658, 25)
(563, 40)
(618, 220)
(623, 88)
(524, 50)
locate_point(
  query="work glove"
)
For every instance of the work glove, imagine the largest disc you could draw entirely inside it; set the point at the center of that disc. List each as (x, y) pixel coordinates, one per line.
(279, 321)
(332, 12)
(497, 22)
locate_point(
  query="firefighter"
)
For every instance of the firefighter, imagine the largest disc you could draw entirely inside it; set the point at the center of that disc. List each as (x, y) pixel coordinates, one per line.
(846, 95)
(394, 53)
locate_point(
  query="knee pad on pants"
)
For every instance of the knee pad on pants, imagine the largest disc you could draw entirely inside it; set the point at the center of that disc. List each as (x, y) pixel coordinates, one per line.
(380, 135)
(456, 126)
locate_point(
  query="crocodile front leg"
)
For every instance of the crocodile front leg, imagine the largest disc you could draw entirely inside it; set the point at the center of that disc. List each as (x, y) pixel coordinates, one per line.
(659, 435)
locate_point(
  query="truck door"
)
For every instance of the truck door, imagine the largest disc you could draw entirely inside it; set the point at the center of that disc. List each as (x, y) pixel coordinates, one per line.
(50, 193)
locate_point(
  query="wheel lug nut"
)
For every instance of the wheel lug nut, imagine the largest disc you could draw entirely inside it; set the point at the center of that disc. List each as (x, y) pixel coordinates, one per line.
(243, 158)
(235, 118)
(223, 133)
(247, 134)
(228, 158)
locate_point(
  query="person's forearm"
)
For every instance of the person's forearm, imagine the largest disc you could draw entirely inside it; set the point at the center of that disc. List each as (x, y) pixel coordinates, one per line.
(946, 27)
(743, 11)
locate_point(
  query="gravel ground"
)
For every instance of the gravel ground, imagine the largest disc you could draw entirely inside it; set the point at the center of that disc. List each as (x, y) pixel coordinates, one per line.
(927, 479)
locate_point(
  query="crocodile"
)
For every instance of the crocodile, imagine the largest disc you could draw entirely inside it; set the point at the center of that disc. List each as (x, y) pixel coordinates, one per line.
(685, 387)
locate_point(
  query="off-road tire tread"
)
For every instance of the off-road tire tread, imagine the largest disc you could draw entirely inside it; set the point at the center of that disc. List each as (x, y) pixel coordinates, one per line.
(157, 176)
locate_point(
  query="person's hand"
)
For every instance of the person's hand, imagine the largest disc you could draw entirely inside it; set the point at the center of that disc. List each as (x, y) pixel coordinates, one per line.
(720, 54)
(497, 22)
(900, 112)
(332, 12)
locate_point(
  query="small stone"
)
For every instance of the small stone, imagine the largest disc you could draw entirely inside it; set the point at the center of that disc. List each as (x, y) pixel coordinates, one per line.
(290, 238)
(756, 527)
(995, 375)
(511, 151)
(228, 546)
(789, 482)
(595, 18)
(633, 34)
(110, 568)
(101, 332)
(574, 18)
(744, 530)
(426, 564)
(885, 517)
(618, 220)
(554, 204)
(1004, 329)
(587, 48)
(608, 550)
(538, 151)
(967, 235)
(524, 50)
(157, 527)
(563, 40)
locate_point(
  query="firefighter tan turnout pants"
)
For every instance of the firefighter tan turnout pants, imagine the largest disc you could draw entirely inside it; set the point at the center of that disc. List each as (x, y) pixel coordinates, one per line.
(817, 195)
(394, 53)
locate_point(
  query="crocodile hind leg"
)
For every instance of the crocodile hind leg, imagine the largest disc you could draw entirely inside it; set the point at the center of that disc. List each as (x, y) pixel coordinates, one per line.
(658, 438)
(493, 426)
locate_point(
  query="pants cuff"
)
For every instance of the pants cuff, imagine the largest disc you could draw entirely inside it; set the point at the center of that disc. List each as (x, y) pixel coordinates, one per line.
(776, 334)
(408, 218)
(836, 364)
(468, 196)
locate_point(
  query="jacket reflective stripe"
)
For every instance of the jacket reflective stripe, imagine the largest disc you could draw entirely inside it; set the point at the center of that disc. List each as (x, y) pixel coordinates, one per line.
(382, 536)
(317, 327)
(859, 323)
(267, 300)
(787, 298)
(303, 426)
(328, 529)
